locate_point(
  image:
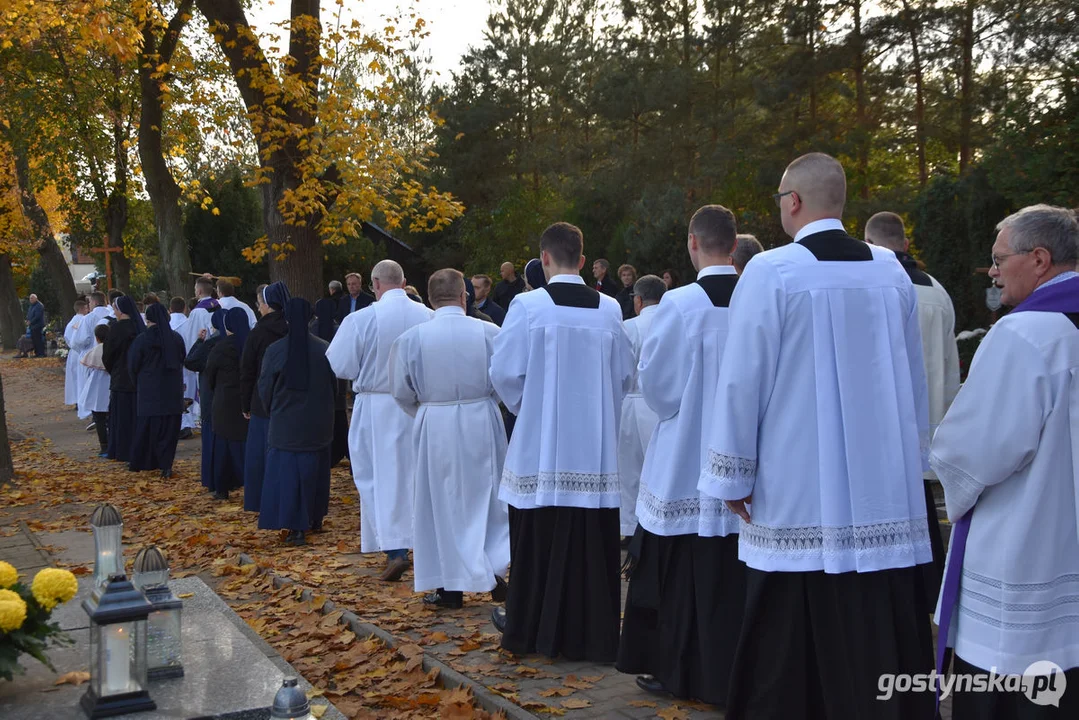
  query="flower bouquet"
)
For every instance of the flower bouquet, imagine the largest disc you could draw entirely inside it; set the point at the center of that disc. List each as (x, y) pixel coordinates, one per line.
(25, 612)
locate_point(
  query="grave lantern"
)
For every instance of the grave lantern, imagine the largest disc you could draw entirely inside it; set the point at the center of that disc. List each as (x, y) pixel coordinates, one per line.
(118, 615)
(108, 543)
(290, 703)
(164, 646)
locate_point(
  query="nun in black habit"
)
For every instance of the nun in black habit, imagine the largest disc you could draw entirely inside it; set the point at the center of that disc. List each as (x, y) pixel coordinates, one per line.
(297, 385)
(270, 328)
(155, 361)
(231, 427)
(324, 326)
(196, 362)
(122, 405)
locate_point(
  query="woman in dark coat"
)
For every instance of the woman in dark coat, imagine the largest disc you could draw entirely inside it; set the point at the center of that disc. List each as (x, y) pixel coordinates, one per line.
(298, 387)
(324, 327)
(196, 362)
(230, 426)
(270, 328)
(122, 406)
(156, 361)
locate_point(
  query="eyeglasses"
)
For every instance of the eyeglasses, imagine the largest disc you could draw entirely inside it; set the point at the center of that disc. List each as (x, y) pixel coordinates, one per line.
(778, 197)
(998, 259)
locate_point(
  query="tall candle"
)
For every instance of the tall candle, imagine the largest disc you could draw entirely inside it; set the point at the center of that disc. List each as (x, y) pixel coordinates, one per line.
(117, 658)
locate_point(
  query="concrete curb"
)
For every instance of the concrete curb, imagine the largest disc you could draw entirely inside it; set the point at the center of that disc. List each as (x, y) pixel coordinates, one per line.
(448, 677)
(46, 558)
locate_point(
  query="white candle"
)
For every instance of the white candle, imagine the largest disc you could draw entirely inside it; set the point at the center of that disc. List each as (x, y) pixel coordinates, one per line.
(117, 658)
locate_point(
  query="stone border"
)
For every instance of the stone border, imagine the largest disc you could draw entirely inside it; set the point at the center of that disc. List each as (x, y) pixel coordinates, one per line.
(447, 675)
(32, 536)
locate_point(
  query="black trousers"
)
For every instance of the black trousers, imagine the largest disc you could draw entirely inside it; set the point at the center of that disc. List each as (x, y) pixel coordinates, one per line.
(101, 420)
(37, 336)
(1013, 705)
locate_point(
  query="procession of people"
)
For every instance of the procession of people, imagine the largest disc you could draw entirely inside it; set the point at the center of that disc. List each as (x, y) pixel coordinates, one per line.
(756, 451)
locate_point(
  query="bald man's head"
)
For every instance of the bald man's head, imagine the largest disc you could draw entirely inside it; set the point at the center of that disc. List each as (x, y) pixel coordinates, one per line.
(814, 187)
(387, 275)
(508, 272)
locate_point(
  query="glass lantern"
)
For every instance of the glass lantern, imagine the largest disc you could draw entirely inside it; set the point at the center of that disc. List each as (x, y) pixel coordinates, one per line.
(108, 543)
(118, 614)
(291, 702)
(164, 646)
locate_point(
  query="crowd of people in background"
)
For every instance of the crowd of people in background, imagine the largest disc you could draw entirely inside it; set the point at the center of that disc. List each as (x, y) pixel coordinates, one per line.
(763, 441)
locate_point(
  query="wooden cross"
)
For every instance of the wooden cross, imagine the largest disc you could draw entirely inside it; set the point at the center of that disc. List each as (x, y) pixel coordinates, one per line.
(108, 263)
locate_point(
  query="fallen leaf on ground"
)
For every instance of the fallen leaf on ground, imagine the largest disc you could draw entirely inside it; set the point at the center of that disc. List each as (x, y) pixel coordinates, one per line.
(642, 703)
(576, 703)
(556, 691)
(185, 596)
(673, 713)
(76, 677)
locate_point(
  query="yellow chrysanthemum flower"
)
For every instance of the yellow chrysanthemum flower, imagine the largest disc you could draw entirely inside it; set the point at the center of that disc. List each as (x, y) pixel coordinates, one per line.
(53, 586)
(12, 611)
(8, 575)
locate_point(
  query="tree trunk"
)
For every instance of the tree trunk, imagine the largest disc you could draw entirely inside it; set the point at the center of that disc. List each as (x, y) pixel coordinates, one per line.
(7, 467)
(44, 239)
(116, 206)
(919, 92)
(11, 317)
(160, 185)
(301, 269)
(861, 103)
(966, 87)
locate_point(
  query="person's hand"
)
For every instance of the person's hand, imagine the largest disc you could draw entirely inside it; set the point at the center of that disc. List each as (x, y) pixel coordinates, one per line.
(738, 507)
(202, 334)
(247, 416)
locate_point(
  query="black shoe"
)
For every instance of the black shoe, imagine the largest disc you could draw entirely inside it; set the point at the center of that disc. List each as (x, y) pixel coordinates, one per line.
(296, 537)
(650, 684)
(221, 495)
(91, 426)
(498, 619)
(186, 434)
(166, 473)
(498, 594)
(439, 599)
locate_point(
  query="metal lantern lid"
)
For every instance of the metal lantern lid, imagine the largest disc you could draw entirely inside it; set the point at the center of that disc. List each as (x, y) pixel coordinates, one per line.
(116, 601)
(150, 559)
(105, 515)
(290, 701)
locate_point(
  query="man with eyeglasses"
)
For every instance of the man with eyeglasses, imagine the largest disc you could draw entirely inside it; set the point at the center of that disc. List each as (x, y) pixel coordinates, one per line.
(936, 317)
(1010, 473)
(818, 443)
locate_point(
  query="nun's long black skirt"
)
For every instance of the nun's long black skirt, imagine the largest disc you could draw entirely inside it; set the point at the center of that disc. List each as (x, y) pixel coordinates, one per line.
(154, 444)
(296, 490)
(258, 435)
(814, 645)
(122, 415)
(228, 469)
(683, 614)
(564, 591)
(1011, 705)
(339, 449)
(206, 431)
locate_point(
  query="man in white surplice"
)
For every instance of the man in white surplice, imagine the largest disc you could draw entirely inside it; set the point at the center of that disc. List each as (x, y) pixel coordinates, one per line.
(82, 339)
(821, 425)
(380, 435)
(936, 318)
(226, 297)
(562, 364)
(638, 420)
(1007, 454)
(200, 318)
(73, 374)
(438, 375)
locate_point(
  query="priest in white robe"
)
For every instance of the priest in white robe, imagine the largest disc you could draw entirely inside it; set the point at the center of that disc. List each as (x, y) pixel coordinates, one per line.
(200, 318)
(1007, 454)
(82, 340)
(438, 375)
(72, 370)
(226, 297)
(819, 441)
(563, 364)
(940, 353)
(638, 420)
(96, 388)
(687, 587)
(380, 435)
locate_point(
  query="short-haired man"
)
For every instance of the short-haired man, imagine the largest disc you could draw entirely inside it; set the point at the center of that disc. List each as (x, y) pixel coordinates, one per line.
(82, 340)
(438, 375)
(686, 594)
(356, 299)
(628, 275)
(748, 246)
(562, 364)
(72, 370)
(638, 420)
(200, 318)
(336, 290)
(380, 434)
(177, 313)
(226, 297)
(1012, 471)
(940, 353)
(818, 442)
(601, 270)
(35, 322)
(481, 285)
(510, 286)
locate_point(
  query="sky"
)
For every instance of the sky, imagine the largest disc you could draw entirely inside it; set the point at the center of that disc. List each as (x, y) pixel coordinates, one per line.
(454, 25)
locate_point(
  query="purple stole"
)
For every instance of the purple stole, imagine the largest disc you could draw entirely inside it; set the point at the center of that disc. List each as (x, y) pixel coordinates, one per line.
(1061, 297)
(207, 304)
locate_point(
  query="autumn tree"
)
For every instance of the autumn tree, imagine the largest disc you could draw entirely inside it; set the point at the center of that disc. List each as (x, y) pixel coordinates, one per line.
(324, 165)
